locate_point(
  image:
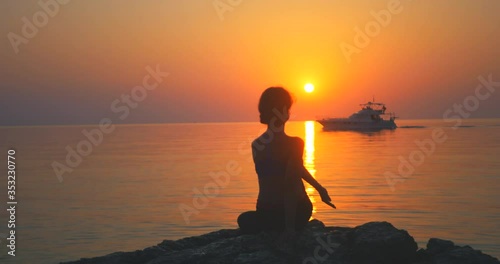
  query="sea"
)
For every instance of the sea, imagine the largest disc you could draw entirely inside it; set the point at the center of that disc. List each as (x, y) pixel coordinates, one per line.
(138, 185)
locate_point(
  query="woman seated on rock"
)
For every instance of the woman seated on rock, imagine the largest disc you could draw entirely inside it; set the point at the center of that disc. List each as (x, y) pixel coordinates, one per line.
(282, 205)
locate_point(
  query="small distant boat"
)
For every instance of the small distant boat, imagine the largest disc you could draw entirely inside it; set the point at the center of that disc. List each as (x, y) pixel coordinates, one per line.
(369, 118)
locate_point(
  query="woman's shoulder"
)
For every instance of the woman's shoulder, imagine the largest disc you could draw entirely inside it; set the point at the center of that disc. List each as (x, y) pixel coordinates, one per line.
(260, 142)
(297, 140)
(295, 144)
(256, 143)
(264, 139)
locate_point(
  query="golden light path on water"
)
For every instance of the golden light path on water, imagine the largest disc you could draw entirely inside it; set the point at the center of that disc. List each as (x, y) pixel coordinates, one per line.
(309, 159)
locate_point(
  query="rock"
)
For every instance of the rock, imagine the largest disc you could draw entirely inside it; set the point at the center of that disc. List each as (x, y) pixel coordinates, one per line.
(436, 246)
(446, 252)
(381, 242)
(464, 255)
(375, 242)
(422, 257)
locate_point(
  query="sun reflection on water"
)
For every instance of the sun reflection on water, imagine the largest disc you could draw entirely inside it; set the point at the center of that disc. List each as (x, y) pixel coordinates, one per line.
(309, 159)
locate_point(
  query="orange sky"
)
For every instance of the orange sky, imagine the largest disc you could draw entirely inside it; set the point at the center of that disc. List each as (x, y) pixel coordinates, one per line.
(91, 52)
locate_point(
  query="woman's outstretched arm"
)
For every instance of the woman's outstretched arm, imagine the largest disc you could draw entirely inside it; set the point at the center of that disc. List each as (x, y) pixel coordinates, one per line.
(306, 176)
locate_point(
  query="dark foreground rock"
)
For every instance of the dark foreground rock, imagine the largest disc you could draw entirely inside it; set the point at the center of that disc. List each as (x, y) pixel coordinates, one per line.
(371, 243)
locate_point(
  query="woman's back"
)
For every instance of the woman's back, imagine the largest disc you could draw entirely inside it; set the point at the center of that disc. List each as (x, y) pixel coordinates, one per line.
(271, 160)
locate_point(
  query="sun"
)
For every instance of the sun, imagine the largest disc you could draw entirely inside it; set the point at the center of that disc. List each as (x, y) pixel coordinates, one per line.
(309, 87)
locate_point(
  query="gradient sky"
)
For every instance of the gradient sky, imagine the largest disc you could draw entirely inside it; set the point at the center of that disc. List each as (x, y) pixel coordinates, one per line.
(428, 58)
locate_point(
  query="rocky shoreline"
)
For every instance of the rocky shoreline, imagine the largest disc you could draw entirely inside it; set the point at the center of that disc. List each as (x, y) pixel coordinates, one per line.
(371, 243)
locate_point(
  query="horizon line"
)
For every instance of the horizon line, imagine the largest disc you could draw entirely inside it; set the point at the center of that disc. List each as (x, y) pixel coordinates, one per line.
(202, 122)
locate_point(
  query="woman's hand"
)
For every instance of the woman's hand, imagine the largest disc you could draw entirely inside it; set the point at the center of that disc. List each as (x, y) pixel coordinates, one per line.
(325, 197)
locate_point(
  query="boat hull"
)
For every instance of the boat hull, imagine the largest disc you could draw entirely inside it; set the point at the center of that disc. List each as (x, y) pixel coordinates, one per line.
(357, 125)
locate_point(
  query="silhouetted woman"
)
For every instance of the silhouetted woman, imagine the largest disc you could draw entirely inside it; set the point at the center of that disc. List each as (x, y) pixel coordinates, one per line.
(282, 205)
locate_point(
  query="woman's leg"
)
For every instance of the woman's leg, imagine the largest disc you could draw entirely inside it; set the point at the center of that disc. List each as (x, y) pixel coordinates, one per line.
(253, 222)
(304, 212)
(249, 222)
(274, 220)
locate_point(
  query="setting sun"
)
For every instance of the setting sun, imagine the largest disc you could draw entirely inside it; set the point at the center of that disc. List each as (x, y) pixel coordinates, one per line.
(309, 88)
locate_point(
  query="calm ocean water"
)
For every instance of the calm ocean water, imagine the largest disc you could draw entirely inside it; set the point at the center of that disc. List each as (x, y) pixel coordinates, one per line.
(126, 194)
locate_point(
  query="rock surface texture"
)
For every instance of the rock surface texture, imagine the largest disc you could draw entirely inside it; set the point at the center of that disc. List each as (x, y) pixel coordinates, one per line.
(371, 243)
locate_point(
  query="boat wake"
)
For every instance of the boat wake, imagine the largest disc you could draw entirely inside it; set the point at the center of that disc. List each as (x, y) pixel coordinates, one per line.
(461, 126)
(412, 127)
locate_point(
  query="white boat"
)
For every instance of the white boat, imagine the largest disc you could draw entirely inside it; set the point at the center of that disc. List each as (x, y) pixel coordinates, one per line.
(370, 117)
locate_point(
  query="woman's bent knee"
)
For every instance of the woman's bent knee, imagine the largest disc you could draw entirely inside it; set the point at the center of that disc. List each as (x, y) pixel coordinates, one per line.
(248, 222)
